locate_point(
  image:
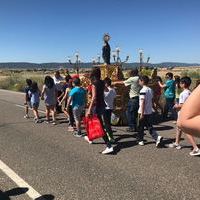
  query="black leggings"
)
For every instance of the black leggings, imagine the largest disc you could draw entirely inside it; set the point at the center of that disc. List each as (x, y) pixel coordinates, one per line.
(71, 116)
(100, 115)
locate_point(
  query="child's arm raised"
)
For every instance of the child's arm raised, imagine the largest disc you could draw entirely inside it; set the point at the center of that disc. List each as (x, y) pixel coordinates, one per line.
(65, 96)
(42, 94)
(178, 106)
(92, 100)
(190, 114)
(142, 108)
(162, 85)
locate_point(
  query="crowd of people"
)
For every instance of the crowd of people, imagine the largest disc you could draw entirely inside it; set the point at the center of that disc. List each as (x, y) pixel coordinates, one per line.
(143, 101)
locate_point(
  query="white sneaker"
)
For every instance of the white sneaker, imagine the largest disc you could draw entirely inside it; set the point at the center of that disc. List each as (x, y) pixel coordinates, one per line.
(37, 121)
(159, 140)
(141, 143)
(26, 117)
(54, 122)
(87, 139)
(108, 150)
(195, 152)
(174, 145)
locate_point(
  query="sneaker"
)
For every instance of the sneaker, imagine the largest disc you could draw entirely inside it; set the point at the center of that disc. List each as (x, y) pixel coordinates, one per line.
(174, 145)
(37, 121)
(108, 150)
(26, 117)
(87, 139)
(195, 152)
(112, 140)
(70, 129)
(54, 122)
(141, 143)
(130, 130)
(159, 140)
(47, 121)
(77, 134)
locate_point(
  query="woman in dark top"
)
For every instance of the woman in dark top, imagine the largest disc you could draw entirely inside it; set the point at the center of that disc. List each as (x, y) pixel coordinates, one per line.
(106, 49)
(106, 53)
(97, 105)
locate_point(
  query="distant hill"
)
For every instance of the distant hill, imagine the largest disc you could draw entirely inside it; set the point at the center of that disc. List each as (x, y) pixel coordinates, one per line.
(26, 65)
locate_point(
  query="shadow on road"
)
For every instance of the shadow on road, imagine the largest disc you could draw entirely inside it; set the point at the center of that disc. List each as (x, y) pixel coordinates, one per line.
(124, 145)
(163, 128)
(46, 197)
(13, 192)
(124, 136)
(19, 191)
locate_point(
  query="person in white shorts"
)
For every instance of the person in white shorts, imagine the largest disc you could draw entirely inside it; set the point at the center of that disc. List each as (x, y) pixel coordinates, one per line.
(185, 83)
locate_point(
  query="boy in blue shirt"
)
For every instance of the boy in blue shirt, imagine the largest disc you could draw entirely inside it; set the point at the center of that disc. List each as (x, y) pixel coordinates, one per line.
(78, 98)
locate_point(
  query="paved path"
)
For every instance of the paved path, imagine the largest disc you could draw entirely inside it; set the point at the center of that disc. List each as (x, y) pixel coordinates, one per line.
(56, 164)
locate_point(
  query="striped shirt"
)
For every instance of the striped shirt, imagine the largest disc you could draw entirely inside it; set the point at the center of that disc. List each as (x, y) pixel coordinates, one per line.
(146, 95)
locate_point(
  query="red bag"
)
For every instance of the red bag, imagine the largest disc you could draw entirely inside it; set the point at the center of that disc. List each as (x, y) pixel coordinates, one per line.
(93, 127)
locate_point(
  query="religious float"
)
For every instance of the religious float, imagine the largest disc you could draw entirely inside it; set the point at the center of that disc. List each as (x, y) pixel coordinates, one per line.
(114, 71)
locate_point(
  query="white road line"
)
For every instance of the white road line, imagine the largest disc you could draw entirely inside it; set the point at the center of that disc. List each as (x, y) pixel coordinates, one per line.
(33, 194)
(41, 111)
(10, 91)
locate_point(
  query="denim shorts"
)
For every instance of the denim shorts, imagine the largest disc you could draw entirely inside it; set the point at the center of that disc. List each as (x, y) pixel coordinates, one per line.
(77, 112)
(29, 104)
(35, 105)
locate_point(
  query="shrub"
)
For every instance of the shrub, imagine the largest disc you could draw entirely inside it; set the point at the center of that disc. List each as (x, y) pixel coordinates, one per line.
(17, 82)
(193, 74)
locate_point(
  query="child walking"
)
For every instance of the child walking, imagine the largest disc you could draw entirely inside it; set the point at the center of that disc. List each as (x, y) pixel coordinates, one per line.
(145, 112)
(109, 97)
(185, 83)
(27, 102)
(78, 98)
(34, 94)
(49, 96)
(68, 112)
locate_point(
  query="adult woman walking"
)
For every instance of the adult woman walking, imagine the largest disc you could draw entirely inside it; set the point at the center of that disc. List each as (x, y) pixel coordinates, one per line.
(97, 104)
(58, 81)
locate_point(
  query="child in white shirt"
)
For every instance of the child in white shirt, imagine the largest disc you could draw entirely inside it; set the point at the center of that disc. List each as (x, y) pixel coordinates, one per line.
(185, 83)
(109, 97)
(145, 112)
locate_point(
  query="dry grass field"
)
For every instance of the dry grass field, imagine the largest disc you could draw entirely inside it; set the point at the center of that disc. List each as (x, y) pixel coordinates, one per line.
(15, 79)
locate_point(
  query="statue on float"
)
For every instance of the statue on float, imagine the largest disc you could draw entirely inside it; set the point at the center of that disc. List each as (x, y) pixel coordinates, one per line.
(106, 49)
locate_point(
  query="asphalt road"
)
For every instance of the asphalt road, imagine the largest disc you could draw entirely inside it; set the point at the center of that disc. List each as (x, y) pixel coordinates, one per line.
(62, 167)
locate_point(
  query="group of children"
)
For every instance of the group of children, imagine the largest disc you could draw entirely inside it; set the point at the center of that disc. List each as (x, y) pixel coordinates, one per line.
(33, 95)
(102, 104)
(74, 98)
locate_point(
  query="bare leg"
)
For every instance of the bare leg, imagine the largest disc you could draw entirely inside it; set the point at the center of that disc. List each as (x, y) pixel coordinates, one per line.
(178, 135)
(78, 125)
(35, 112)
(26, 110)
(47, 113)
(53, 113)
(192, 141)
(66, 113)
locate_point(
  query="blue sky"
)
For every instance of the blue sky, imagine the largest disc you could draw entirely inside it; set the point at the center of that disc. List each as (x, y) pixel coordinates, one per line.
(51, 30)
